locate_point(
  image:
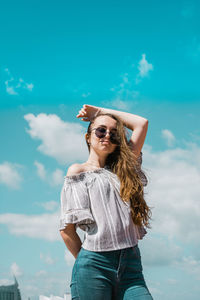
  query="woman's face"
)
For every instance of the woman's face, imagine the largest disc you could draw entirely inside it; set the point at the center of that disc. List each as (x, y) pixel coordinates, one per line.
(103, 144)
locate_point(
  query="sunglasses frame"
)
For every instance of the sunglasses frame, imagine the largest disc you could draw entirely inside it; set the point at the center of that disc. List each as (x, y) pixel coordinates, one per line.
(113, 141)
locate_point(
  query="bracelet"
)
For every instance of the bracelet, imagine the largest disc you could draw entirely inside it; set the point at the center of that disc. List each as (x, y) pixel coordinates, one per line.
(96, 113)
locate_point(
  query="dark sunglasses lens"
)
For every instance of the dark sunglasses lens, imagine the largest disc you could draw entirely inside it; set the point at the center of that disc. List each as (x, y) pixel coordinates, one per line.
(114, 138)
(100, 132)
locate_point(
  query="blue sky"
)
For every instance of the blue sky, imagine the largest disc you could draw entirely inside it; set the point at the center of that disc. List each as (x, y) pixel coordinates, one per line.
(140, 57)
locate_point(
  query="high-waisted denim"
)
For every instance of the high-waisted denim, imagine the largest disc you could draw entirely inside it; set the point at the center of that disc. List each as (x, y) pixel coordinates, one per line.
(109, 275)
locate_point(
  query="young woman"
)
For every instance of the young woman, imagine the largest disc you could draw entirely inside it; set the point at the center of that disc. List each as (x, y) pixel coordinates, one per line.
(104, 197)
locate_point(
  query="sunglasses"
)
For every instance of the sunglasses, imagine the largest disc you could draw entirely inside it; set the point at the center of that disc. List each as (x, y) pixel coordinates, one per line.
(100, 132)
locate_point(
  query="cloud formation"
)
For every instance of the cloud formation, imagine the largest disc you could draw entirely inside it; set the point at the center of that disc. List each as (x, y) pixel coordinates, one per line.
(44, 226)
(40, 169)
(61, 140)
(126, 93)
(15, 270)
(10, 176)
(14, 85)
(168, 137)
(54, 178)
(144, 68)
(174, 192)
(47, 259)
(49, 205)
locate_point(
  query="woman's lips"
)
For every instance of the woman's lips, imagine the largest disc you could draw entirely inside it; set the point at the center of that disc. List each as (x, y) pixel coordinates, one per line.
(105, 142)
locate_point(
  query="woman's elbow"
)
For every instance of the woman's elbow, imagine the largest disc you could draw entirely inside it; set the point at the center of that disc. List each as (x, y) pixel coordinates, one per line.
(68, 230)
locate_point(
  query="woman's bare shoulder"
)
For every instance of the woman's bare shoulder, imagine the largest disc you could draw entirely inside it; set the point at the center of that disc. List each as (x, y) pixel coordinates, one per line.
(75, 169)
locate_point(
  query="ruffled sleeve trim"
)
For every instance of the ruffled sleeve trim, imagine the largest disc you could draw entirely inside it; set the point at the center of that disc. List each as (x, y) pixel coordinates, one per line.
(75, 202)
(80, 217)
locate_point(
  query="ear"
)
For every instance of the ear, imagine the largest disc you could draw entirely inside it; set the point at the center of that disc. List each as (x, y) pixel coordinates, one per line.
(87, 138)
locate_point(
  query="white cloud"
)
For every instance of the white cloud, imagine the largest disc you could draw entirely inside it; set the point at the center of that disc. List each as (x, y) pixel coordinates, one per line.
(52, 297)
(41, 273)
(55, 178)
(144, 68)
(168, 137)
(61, 140)
(124, 93)
(172, 281)
(15, 270)
(51, 282)
(191, 265)
(9, 175)
(40, 169)
(69, 258)
(13, 85)
(157, 250)
(44, 284)
(49, 205)
(173, 191)
(29, 86)
(42, 297)
(47, 259)
(9, 88)
(155, 291)
(5, 282)
(119, 104)
(44, 226)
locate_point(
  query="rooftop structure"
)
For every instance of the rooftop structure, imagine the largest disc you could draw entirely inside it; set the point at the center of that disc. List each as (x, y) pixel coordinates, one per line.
(10, 292)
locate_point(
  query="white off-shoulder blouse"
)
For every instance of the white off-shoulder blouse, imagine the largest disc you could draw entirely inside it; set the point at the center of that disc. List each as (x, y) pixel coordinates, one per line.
(91, 200)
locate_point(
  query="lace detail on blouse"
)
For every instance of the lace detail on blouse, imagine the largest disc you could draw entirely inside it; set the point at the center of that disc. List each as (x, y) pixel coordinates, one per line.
(82, 175)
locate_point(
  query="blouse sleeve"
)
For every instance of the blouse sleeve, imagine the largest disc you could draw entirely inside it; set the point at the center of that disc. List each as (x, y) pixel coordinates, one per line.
(75, 203)
(139, 170)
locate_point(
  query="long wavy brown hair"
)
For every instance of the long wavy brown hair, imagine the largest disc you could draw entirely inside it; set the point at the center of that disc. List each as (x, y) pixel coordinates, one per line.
(125, 164)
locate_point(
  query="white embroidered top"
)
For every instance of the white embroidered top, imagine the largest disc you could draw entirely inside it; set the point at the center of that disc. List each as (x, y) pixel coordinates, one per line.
(92, 201)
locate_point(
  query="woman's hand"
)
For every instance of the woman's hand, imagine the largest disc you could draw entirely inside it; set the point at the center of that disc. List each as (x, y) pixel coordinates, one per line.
(88, 112)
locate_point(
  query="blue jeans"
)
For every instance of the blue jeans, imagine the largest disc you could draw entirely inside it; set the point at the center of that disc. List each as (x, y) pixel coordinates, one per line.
(109, 275)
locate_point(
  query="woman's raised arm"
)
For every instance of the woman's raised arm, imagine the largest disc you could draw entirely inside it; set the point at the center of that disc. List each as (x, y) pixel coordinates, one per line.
(138, 124)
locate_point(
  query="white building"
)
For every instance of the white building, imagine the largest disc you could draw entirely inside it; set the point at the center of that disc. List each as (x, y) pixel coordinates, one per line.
(52, 297)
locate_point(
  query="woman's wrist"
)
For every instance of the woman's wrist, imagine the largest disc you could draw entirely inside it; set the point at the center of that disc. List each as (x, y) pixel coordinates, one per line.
(103, 110)
(99, 110)
(108, 110)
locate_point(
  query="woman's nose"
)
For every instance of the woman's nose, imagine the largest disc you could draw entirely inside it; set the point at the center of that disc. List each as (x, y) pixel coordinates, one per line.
(107, 133)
